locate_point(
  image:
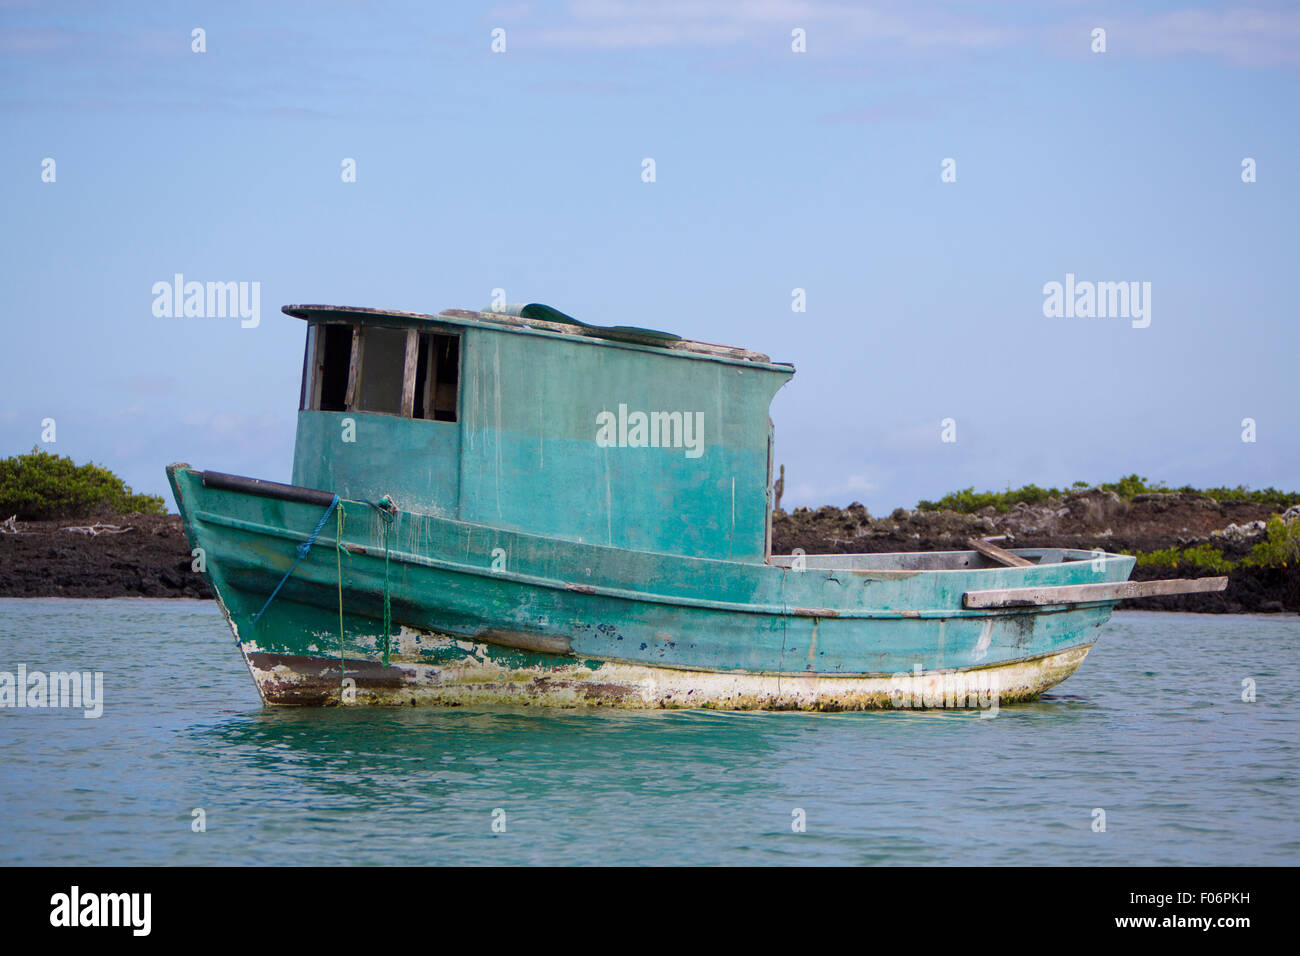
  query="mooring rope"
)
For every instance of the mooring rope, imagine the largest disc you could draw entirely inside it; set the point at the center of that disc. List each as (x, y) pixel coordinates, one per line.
(302, 553)
(338, 560)
(785, 618)
(387, 511)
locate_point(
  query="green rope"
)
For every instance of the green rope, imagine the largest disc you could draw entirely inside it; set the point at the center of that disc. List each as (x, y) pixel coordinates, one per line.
(387, 512)
(338, 557)
(388, 606)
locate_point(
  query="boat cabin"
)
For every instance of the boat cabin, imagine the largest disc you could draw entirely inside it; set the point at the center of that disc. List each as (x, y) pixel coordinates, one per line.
(530, 420)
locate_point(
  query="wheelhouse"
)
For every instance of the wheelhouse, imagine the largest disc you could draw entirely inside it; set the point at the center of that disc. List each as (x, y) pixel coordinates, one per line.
(531, 420)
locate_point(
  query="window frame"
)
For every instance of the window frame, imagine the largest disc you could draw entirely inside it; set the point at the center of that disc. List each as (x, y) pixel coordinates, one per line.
(313, 370)
(429, 351)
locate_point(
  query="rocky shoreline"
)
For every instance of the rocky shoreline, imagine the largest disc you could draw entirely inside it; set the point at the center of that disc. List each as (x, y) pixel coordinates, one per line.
(125, 556)
(148, 555)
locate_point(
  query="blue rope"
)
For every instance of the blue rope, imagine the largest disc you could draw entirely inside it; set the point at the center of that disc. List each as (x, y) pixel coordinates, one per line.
(302, 553)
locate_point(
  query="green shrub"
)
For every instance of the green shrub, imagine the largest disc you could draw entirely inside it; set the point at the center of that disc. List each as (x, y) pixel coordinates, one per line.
(41, 486)
(968, 500)
(1164, 558)
(1131, 485)
(1264, 496)
(1280, 548)
(1205, 556)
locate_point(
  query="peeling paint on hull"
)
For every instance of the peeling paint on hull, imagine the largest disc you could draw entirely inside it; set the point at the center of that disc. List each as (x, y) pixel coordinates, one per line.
(287, 680)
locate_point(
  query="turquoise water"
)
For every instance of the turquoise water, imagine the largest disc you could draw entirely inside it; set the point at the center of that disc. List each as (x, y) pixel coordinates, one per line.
(1152, 730)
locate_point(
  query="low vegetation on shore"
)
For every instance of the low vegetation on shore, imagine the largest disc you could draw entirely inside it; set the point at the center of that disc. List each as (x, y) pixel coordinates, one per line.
(970, 501)
(1280, 548)
(41, 486)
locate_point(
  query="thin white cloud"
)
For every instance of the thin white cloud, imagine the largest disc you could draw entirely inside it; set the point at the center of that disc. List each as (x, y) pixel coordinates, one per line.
(1240, 34)
(831, 27)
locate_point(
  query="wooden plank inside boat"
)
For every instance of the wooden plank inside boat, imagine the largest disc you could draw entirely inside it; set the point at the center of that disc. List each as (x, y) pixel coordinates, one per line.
(1000, 555)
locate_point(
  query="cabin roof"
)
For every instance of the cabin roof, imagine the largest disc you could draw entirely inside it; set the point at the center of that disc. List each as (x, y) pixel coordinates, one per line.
(537, 319)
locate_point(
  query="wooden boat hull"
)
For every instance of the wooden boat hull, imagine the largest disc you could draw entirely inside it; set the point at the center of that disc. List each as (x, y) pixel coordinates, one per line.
(474, 674)
(488, 616)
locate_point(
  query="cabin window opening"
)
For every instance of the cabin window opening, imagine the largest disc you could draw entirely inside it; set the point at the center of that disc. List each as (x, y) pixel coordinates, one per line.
(437, 375)
(381, 363)
(335, 354)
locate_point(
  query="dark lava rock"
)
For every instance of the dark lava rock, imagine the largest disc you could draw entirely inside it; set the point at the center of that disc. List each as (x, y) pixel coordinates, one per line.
(150, 560)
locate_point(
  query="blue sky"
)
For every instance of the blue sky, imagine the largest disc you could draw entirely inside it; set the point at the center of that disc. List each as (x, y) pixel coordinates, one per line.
(775, 170)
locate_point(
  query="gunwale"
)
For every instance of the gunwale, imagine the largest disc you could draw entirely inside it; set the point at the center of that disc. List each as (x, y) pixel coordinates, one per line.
(401, 556)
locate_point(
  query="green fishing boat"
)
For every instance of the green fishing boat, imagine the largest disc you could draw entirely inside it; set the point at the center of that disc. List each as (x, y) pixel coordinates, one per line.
(515, 507)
